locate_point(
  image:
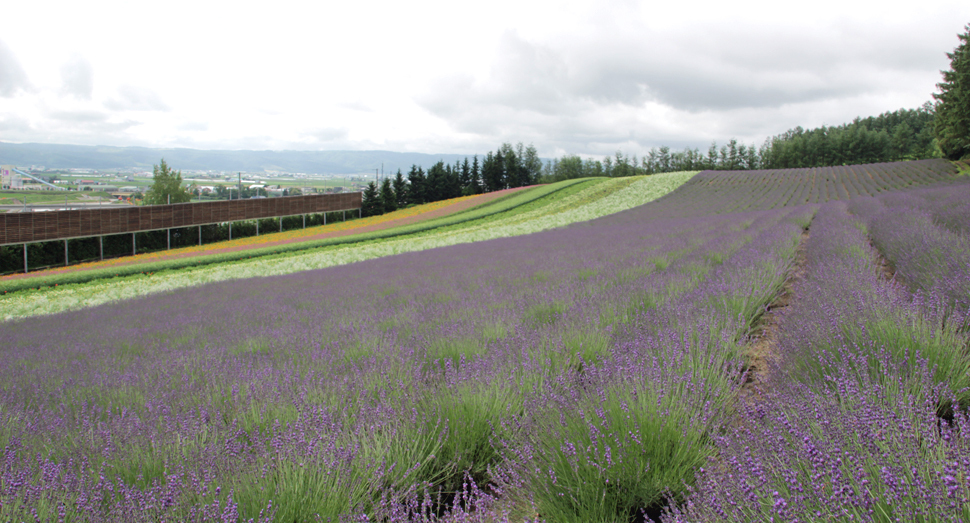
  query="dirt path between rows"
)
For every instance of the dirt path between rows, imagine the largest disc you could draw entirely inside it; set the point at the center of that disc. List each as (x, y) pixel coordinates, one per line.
(253, 243)
(762, 351)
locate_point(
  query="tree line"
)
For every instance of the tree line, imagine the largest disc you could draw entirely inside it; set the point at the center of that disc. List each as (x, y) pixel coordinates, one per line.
(508, 167)
(906, 134)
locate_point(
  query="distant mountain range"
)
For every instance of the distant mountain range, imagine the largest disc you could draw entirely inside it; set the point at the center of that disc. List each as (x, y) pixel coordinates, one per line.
(59, 156)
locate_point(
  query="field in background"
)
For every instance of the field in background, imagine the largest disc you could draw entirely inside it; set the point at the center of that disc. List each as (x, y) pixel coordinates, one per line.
(557, 360)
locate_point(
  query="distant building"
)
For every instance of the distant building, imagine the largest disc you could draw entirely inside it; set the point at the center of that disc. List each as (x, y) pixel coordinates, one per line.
(9, 179)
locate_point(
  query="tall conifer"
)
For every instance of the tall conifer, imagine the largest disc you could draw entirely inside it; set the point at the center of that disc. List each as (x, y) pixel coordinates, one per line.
(953, 102)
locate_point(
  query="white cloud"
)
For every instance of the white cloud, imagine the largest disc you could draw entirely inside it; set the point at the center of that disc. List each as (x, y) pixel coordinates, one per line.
(77, 76)
(132, 98)
(13, 79)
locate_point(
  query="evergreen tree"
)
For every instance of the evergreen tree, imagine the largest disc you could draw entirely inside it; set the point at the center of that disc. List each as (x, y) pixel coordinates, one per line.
(452, 182)
(491, 169)
(388, 200)
(400, 190)
(513, 175)
(434, 187)
(476, 176)
(417, 193)
(500, 178)
(953, 102)
(465, 178)
(371, 204)
(166, 186)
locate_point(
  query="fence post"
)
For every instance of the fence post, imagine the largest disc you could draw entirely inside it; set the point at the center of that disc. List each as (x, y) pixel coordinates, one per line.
(230, 230)
(257, 227)
(345, 215)
(324, 218)
(133, 247)
(65, 253)
(200, 235)
(101, 247)
(304, 221)
(168, 239)
(25, 251)
(281, 224)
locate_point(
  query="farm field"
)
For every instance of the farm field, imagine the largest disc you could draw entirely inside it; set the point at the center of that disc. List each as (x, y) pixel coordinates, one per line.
(17, 197)
(556, 362)
(523, 213)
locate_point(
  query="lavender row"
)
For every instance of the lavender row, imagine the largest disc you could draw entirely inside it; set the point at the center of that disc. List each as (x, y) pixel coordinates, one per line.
(859, 421)
(926, 236)
(606, 353)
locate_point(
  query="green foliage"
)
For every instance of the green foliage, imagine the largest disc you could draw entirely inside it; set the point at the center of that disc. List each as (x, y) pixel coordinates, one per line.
(388, 198)
(906, 134)
(618, 453)
(166, 186)
(953, 102)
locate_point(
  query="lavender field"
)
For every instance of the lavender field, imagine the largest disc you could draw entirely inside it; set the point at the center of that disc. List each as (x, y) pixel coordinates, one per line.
(599, 371)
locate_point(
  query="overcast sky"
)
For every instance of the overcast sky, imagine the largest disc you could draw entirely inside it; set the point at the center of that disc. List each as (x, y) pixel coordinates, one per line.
(460, 77)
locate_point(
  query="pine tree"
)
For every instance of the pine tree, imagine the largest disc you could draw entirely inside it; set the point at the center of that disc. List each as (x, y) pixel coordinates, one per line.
(476, 177)
(400, 190)
(417, 185)
(371, 204)
(953, 102)
(435, 182)
(388, 200)
(466, 178)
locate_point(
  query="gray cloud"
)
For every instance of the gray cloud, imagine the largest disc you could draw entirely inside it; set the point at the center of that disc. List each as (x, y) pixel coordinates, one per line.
(12, 75)
(591, 94)
(77, 78)
(131, 98)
